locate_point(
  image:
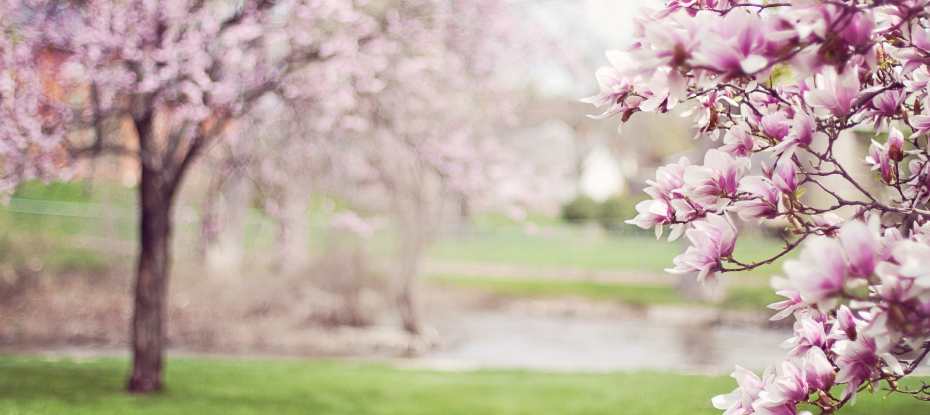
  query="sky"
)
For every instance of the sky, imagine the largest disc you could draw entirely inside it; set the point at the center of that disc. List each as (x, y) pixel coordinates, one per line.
(587, 28)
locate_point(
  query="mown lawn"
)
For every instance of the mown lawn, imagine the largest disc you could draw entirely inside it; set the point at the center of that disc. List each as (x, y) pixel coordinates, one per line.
(750, 297)
(567, 246)
(32, 386)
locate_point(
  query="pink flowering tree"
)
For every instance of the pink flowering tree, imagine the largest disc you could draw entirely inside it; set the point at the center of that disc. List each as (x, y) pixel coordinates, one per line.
(423, 157)
(29, 142)
(180, 72)
(777, 88)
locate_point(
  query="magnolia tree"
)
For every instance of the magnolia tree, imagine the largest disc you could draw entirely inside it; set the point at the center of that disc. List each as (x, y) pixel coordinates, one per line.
(380, 139)
(778, 87)
(421, 156)
(180, 72)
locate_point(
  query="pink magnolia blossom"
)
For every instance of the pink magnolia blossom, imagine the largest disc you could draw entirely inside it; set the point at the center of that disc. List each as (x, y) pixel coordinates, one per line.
(776, 125)
(803, 134)
(791, 304)
(835, 92)
(711, 240)
(808, 333)
(738, 142)
(858, 362)
(785, 176)
(818, 370)
(879, 159)
(739, 402)
(717, 178)
(669, 180)
(763, 199)
(819, 275)
(734, 45)
(789, 386)
(895, 145)
(887, 103)
(861, 246)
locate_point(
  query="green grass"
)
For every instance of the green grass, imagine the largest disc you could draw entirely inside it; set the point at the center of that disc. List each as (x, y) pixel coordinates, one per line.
(58, 236)
(738, 297)
(31, 386)
(573, 247)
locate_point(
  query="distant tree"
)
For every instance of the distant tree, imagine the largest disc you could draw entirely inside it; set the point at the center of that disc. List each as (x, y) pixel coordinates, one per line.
(419, 133)
(181, 72)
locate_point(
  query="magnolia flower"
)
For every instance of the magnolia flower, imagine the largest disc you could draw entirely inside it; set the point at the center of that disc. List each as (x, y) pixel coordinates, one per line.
(820, 273)
(912, 259)
(785, 176)
(895, 144)
(738, 142)
(919, 187)
(763, 202)
(789, 305)
(775, 125)
(879, 160)
(717, 178)
(862, 247)
(894, 288)
(652, 213)
(712, 239)
(669, 180)
(835, 92)
(808, 333)
(921, 124)
(858, 362)
(614, 89)
(846, 322)
(818, 371)
(803, 134)
(887, 103)
(739, 401)
(858, 30)
(788, 386)
(671, 41)
(827, 224)
(734, 45)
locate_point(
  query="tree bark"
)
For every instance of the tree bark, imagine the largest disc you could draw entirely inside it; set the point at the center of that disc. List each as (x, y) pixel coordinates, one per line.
(151, 289)
(409, 268)
(293, 232)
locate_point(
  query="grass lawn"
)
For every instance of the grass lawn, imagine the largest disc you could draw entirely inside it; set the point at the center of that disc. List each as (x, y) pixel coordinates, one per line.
(572, 247)
(738, 297)
(30, 386)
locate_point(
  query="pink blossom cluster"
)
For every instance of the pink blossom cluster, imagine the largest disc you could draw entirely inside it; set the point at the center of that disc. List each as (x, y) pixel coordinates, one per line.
(775, 88)
(70, 67)
(29, 141)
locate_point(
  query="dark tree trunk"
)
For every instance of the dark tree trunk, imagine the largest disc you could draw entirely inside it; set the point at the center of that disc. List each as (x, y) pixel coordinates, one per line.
(151, 289)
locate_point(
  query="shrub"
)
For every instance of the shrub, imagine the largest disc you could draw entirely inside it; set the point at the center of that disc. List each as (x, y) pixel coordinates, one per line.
(581, 209)
(615, 210)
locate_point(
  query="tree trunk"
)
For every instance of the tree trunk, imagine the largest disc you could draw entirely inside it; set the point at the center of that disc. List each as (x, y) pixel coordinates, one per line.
(407, 305)
(151, 289)
(225, 255)
(409, 268)
(293, 233)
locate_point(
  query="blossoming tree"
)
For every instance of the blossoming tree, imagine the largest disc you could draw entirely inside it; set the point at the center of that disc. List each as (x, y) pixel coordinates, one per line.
(777, 87)
(180, 72)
